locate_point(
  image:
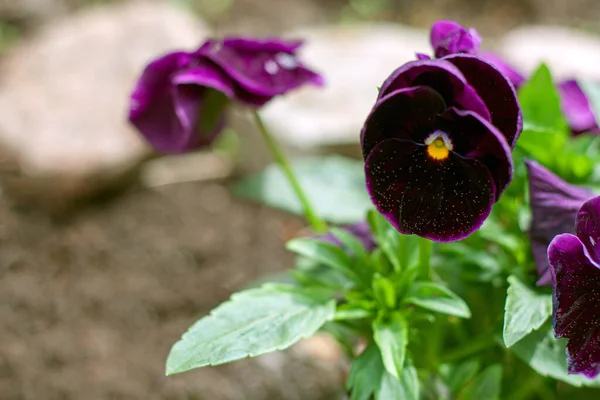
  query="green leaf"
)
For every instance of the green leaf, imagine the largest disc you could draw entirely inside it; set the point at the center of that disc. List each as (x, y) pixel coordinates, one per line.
(384, 292)
(435, 297)
(592, 92)
(457, 376)
(391, 336)
(525, 310)
(544, 127)
(325, 253)
(334, 185)
(540, 103)
(365, 374)
(485, 386)
(251, 323)
(547, 356)
(351, 243)
(350, 311)
(405, 388)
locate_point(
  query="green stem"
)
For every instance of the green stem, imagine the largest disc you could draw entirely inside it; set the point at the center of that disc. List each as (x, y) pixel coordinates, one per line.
(472, 347)
(425, 258)
(318, 225)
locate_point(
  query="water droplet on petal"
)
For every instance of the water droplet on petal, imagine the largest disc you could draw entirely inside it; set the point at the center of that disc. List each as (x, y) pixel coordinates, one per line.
(287, 61)
(271, 67)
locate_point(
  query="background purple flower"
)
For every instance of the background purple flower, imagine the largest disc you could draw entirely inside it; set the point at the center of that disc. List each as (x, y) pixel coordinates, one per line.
(449, 37)
(554, 205)
(360, 230)
(178, 102)
(575, 266)
(434, 160)
(577, 108)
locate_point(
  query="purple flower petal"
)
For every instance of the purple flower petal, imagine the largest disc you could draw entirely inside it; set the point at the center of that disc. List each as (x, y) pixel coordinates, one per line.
(360, 230)
(576, 298)
(155, 82)
(441, 201)
(554, 206)
(449, 37)
(496, 92)
(515, 77)
(443, 77)
(169, 104)
(473, 137)
(577, 108)
(404, 114)
(587, 227)
(263, 68)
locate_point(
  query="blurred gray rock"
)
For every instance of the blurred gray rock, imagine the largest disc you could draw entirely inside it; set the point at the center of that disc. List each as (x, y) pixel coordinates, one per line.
(355, 60)
(568, 52)
(64, 96)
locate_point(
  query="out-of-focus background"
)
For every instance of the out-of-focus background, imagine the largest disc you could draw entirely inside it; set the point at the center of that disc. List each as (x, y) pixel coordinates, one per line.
(107, 253)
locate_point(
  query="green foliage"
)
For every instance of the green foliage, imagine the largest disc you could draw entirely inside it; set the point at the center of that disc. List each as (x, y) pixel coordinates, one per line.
(334, 185)
(406, 388)
(435, 297)
(391, 336)
(253, 322)
(546, 356)
(366, 374)
(525, 311)
(485, 385)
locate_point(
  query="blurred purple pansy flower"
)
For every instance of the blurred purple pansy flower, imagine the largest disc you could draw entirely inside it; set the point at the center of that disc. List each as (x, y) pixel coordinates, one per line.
(577, 108)
(437, 145)
(575, 267)
(554, 205)
(449, 37)
(178, 103)
(360, 230)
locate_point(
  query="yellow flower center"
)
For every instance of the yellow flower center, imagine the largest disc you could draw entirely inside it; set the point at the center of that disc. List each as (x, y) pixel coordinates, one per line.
(439, 145)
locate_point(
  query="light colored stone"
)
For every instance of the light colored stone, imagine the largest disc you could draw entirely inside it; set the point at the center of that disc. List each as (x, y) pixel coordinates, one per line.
(568, 52)
(64, 94)
(355, 60)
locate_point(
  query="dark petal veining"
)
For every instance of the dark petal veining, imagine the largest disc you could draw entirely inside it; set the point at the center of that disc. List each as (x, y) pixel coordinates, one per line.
(443, 77)
(441, 201)
(495, 90)
(554, 205)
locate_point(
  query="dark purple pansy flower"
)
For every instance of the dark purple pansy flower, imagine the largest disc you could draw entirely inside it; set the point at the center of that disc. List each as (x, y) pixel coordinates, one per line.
(554, 206)
(179, 100)
(577, 108)
(360, 230)
(511, 73)
(437, 145)
(449, 37)
(575, 267)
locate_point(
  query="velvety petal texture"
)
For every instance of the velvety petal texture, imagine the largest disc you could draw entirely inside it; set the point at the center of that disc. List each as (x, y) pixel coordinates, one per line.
(554, 205)
(449, 37)
(577, 108)
(576, 290)
(514, 76)
(179, 101)
(437, 144)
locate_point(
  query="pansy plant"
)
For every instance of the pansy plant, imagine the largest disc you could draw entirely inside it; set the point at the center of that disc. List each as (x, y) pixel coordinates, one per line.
(418, 320)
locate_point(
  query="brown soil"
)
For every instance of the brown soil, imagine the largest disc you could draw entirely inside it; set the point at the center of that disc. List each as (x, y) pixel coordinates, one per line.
(91, 305)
